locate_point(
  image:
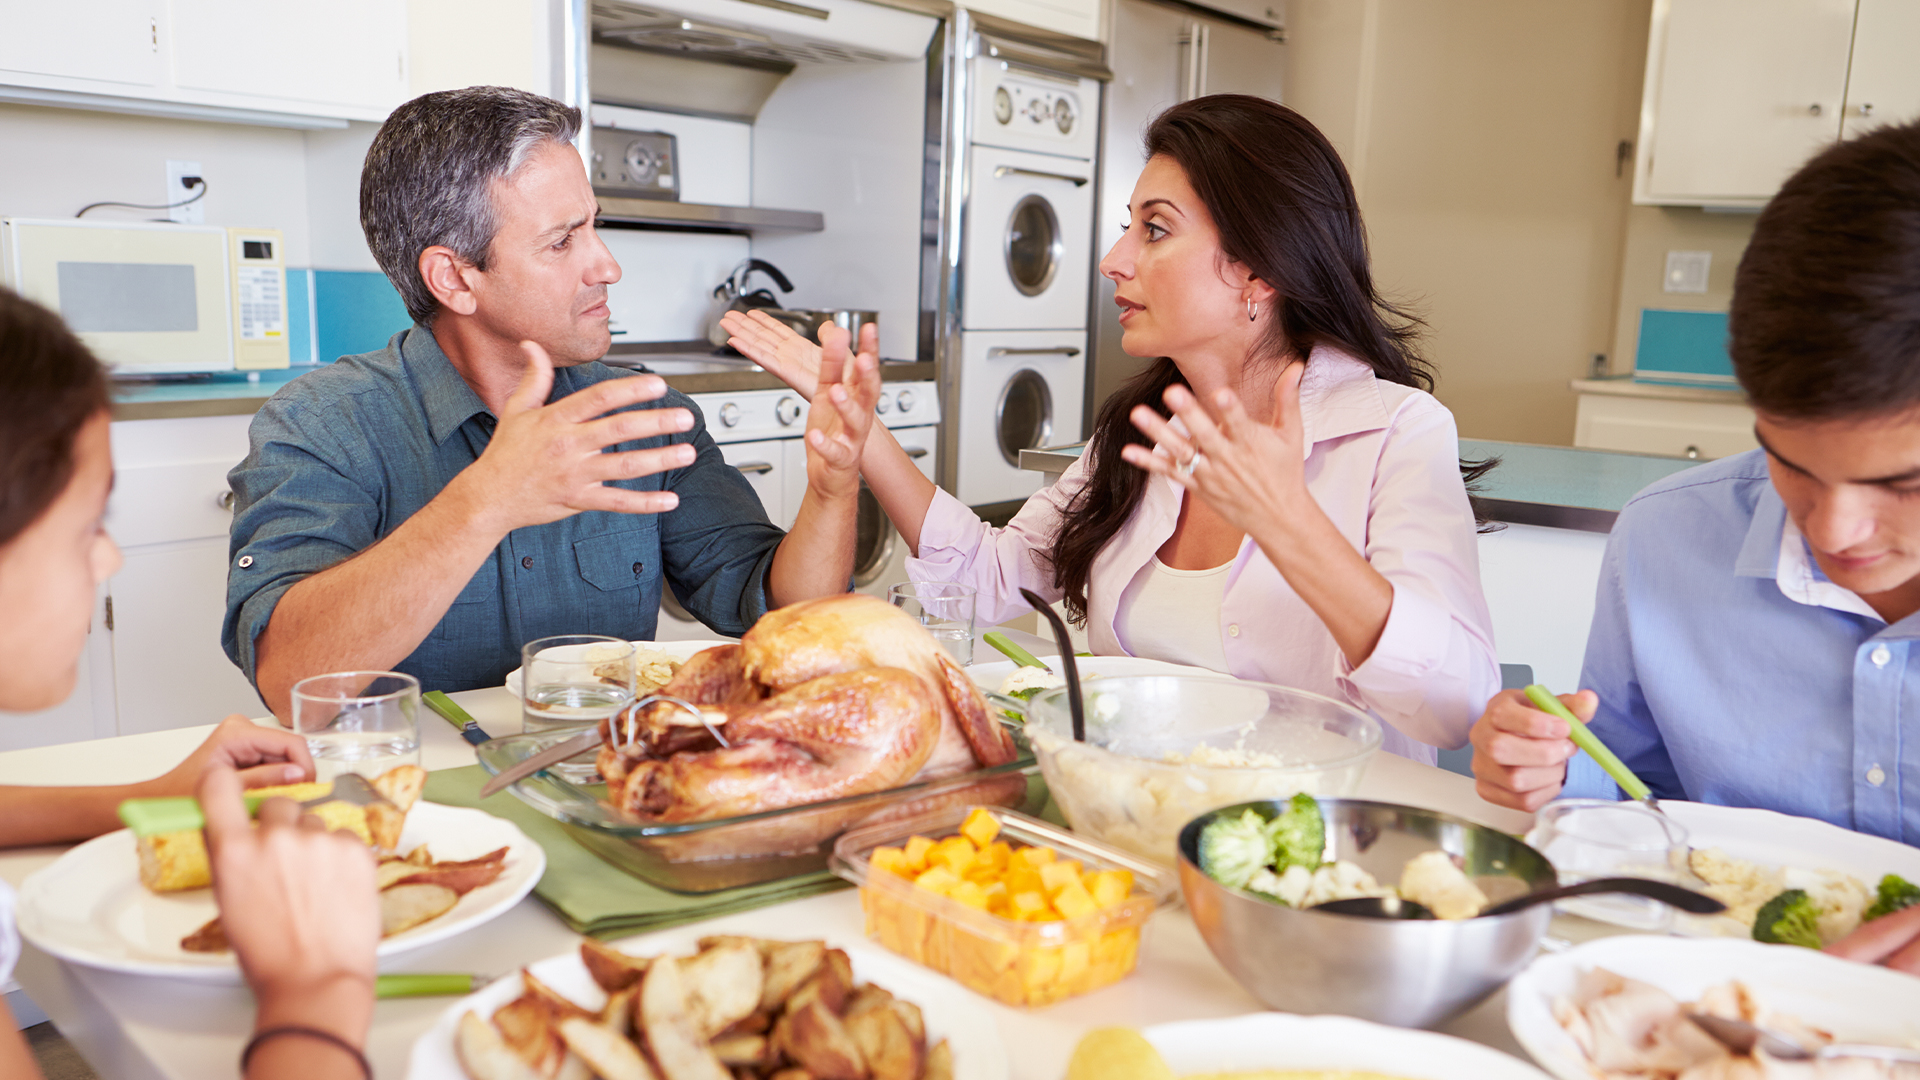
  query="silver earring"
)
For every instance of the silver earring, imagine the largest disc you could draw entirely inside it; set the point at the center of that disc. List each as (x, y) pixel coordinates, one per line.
(1253, 308)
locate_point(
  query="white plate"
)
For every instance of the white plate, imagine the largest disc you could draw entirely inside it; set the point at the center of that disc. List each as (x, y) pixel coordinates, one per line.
(1856, 1002)
(1775, 839)
(951, 1012)
(1284, 1041)
(990, 676)
(679, 650)
(90, 908)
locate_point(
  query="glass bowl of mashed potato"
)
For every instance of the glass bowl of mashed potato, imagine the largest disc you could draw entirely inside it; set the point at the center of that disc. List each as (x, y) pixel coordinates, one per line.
(1163, 749)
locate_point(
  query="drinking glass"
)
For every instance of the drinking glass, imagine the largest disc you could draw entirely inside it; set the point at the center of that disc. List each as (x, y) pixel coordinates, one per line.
(1596, 838)
(946, 610)
(571, 682)
(362, 722)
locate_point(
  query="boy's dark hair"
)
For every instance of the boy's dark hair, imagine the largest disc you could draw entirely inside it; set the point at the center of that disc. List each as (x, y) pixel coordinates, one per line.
(1825, 321)
(50, 386)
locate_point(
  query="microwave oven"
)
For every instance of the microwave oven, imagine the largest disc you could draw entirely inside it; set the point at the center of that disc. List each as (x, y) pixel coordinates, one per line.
(156, 299)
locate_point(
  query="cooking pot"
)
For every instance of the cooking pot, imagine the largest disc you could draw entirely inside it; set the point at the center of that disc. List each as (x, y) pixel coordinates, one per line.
(733, 295)
(846, 318)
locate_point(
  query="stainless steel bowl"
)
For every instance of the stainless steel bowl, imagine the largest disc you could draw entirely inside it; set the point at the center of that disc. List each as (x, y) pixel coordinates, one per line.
(1413, 974)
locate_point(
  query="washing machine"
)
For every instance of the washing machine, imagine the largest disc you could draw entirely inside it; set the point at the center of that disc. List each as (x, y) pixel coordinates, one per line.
(1019, 389)
(1028, 241)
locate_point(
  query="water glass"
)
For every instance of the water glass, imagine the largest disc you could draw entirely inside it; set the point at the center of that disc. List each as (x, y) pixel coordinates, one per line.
(571, 682)
(362, 722)
(1596, 838)
(946, 610)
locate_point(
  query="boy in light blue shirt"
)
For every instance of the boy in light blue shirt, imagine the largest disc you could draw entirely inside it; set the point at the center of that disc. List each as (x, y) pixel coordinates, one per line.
(1754, 635)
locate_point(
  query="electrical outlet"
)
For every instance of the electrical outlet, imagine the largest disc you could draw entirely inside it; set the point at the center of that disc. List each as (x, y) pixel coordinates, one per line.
(1687, 271)
(179, 190)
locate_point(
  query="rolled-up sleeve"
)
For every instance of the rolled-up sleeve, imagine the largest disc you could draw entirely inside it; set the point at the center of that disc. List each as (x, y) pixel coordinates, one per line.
(297, 511)
(956, 546)
(718, 544)
(1434, 667)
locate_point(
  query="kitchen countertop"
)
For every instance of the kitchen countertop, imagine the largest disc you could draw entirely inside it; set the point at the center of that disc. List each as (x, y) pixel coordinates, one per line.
(235, 394)
(142, 1028)
(1557, 487)
(1628, 386)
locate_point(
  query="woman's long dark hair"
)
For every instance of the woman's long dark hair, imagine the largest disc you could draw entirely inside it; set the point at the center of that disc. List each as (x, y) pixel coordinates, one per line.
(50, 386)
(1286, 211)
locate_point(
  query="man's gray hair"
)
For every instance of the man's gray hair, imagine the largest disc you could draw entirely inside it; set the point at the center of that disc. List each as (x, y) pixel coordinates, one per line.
(430, 172)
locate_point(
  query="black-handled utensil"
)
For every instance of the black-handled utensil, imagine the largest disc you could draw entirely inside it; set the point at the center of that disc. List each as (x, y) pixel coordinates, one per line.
(1076, 707)
(1391, 907)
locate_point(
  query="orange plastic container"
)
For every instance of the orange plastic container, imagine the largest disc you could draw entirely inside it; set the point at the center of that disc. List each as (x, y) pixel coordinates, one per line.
(1010, 960)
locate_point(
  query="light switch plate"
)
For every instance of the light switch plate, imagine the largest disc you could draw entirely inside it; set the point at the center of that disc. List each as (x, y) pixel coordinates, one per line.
(1687, 271)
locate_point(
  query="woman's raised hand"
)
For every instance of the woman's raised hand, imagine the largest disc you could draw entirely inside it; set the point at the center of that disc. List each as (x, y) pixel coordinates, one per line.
(1252, 474)
(840, 417)
(773, 345)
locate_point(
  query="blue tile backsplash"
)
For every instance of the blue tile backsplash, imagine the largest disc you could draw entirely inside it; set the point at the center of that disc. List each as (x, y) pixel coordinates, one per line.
(1684, 347)
(355, 311)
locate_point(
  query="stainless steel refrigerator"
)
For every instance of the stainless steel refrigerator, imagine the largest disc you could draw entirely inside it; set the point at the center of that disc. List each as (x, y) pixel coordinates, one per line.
(1162, 54)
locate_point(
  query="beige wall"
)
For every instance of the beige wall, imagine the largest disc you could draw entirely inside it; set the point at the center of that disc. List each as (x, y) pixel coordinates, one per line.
(1652, 231)
(1482, 137)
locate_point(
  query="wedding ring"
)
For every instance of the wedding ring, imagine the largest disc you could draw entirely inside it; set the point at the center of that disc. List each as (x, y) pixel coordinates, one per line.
(1185, 468)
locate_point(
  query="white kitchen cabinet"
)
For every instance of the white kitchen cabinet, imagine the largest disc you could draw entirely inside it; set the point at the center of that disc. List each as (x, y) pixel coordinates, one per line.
(168, 601)
(1739, 93)
(1669, 420)
(764, 463)
(305, 65)
(1883, 86)
(1076, 18)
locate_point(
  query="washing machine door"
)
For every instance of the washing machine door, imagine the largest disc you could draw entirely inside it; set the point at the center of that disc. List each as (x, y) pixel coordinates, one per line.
(1028, 259)
(1023, 418)
(873, 541)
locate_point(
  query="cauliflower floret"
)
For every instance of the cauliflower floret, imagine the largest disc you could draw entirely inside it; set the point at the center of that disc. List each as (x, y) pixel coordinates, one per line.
(1030, 678)
(1341, 881)
(1432, 879)
(1839, 898)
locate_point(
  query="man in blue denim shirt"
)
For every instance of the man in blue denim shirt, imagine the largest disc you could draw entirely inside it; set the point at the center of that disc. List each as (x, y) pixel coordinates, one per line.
(483, 481)
(1754, 636)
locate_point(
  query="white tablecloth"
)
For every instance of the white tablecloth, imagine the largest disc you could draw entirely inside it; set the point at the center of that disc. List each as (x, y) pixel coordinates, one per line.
(135, 1028)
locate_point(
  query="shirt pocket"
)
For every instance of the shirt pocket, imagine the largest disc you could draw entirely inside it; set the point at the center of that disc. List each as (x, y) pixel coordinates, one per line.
(617, 561)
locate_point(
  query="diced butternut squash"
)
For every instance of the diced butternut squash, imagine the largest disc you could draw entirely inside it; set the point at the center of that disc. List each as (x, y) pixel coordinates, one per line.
(970, 894)
(939, 879)
(1074, 901)
(1110, 888)
(1055, 876)
(917, 849)
(892, 860)
(980, 827)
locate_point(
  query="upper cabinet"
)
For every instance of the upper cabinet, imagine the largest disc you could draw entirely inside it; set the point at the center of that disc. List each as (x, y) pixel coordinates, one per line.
(1075, 18)
(1739, 93)
(243, 60)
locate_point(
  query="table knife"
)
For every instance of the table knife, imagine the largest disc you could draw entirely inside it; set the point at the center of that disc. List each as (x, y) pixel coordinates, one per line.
(457, 716)
(552, 755)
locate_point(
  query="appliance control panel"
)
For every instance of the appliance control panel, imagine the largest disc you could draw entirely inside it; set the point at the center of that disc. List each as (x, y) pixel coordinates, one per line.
(750, 415)
(1023, 109)
(635, 164)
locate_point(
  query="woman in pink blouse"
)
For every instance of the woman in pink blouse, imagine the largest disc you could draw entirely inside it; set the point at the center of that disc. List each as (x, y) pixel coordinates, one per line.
(1276, 496)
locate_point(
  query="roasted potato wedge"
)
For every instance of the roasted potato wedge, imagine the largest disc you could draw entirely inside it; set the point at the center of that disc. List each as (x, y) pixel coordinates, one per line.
(560, 1005)
(813, 1036)
(723, 986)
(665, 1016)
(741, 1050)
(211, 938)
(911, 1016)
(611, 968)
(888, 1048)
(939, 1064)
(789, 964)
(610, 1054)
(403, 907)
(484, 1053)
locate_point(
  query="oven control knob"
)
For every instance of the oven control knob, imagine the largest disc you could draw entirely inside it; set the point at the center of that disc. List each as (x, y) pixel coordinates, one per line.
(883, 405)
(786, 410)
(1002, 104)
(1063, 116)
(729, 414)
(906, 401)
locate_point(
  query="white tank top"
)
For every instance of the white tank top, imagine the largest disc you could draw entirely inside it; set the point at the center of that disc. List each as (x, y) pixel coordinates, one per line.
(1174, 615)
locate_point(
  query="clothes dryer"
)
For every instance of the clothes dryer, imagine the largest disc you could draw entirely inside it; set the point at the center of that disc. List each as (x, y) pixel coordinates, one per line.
(1019, 390)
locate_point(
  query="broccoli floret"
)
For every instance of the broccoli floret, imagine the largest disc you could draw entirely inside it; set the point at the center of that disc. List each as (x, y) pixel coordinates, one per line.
(1233, 848)
(1788, 919)
(1299, 834)
(1896, 894)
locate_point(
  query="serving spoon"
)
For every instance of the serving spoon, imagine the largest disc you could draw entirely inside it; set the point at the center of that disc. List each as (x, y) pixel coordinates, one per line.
(1076, 707)
(1743, 1038)
(1392, 907)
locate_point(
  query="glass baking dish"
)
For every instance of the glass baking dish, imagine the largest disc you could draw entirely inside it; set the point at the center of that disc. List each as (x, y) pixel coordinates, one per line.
(1012, 961)
(729, 853)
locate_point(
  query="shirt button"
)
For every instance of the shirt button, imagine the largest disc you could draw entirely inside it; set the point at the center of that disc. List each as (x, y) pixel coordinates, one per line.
(1876, 776)
(636, 569)
(246, 561)
(1880, 655)
(1233, 630)
(526, 562)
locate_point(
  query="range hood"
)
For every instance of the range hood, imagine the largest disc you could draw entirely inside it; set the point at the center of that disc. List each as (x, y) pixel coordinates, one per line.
(765, 32)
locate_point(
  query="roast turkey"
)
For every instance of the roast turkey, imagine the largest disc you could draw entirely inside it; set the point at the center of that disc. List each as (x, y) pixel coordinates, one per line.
(822, 699)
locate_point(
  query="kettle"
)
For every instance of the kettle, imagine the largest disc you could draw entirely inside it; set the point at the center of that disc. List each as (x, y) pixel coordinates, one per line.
(733, 295)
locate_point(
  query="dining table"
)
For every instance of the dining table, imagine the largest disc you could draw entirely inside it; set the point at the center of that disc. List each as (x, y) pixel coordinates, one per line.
(142, 1027)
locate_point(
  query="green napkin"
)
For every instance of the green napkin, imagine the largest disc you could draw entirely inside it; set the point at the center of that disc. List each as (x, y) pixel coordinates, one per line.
(594, 897)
